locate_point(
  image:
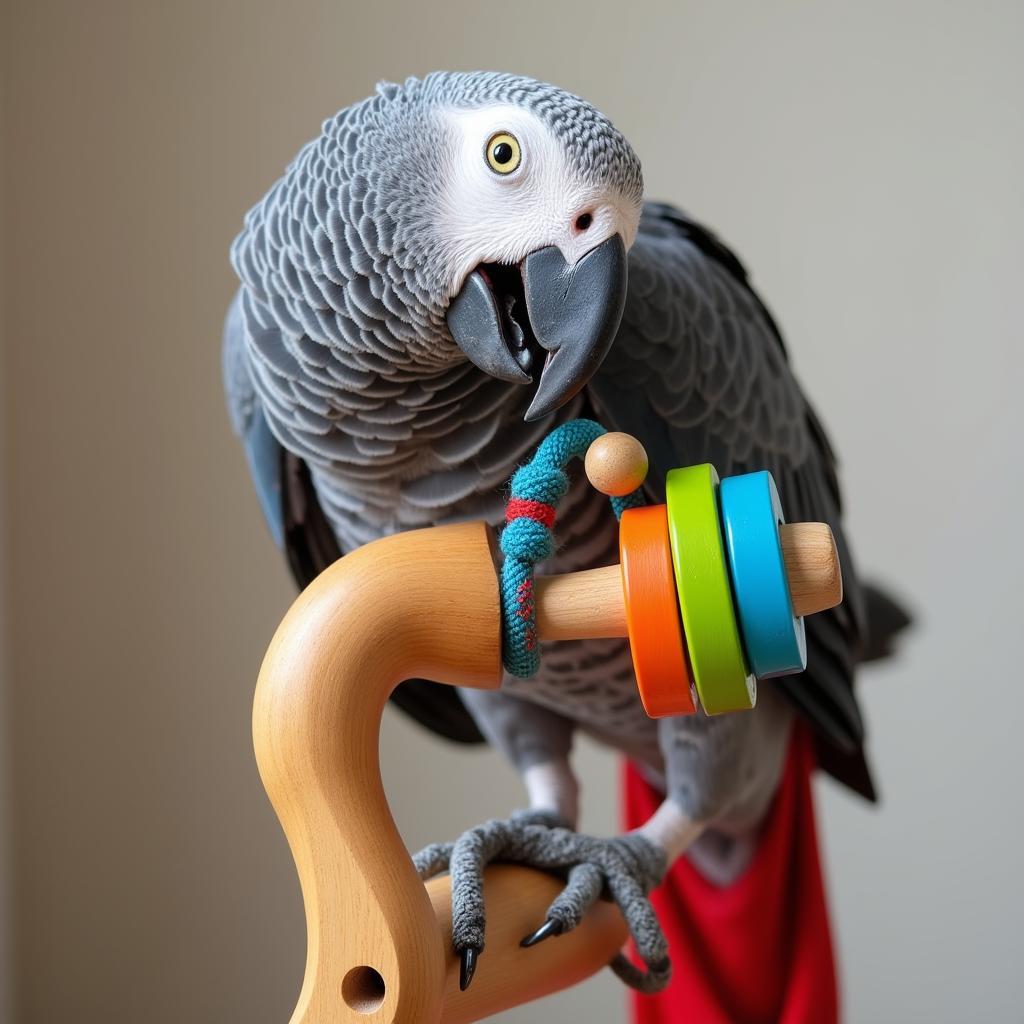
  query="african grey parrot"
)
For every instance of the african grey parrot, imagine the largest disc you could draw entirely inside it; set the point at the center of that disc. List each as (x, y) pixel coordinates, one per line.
(451, 268)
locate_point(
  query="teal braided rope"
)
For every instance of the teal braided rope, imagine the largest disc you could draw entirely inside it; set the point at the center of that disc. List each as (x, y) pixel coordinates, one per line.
(528, 537)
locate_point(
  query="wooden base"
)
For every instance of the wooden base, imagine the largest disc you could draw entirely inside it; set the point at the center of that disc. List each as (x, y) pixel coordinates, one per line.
(419, 604)
(423, 603)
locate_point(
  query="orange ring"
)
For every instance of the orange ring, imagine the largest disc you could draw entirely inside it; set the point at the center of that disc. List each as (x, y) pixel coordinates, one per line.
(652, 613)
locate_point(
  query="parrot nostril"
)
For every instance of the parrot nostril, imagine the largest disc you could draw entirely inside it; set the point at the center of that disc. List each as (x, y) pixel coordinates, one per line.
(583, 221)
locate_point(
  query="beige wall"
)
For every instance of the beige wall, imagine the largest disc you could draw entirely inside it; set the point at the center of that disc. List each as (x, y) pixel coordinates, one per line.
(6, 1005)
(865, 159)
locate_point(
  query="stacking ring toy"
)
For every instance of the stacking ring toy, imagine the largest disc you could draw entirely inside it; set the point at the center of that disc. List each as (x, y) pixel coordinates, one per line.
(652, 613)
(773, 637)
(705, 596)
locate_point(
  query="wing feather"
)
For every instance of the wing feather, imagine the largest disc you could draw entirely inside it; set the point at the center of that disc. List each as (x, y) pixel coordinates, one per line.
(699, 373)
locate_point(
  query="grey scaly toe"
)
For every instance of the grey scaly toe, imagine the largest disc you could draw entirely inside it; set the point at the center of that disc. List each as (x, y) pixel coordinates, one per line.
(624, 869)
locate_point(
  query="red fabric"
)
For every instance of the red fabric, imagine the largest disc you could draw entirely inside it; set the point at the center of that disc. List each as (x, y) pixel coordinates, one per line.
(758, 951)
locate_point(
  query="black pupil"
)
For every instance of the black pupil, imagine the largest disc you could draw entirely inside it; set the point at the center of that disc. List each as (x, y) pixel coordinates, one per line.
(502, 153)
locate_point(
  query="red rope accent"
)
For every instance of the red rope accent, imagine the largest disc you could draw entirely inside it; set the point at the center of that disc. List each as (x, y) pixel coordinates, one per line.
(524, 598)
(525, 508)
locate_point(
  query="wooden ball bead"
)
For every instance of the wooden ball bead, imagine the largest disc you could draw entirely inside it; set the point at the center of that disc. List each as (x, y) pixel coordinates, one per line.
(616, 464)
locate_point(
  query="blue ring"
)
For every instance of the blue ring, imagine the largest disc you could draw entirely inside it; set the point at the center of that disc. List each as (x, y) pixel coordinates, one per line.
(773, 636)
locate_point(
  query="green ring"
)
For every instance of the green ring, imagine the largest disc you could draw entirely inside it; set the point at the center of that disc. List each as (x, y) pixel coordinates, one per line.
(705, 594)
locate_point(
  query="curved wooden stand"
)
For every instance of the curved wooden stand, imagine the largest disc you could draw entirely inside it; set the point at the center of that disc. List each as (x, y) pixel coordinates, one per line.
(422, 604)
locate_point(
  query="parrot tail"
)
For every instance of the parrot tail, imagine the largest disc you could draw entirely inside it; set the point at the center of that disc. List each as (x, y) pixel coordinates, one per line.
(758, 950)
(887, 618)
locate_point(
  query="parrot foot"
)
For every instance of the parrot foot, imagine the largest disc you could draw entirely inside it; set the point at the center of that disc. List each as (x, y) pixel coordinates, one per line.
(624, 869)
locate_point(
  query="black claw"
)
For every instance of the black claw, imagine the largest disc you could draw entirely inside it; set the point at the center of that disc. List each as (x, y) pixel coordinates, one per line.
(467, 966)
(545, 931)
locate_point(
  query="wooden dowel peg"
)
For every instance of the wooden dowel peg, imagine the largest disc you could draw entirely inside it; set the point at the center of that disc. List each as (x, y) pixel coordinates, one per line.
(588, 605)
(585, 605)
(812, 567)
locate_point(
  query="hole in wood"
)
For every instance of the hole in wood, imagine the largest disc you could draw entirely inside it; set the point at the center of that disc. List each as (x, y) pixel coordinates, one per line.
(363, 990)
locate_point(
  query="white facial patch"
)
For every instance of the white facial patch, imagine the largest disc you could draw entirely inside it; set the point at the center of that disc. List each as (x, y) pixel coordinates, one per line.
(487, 217)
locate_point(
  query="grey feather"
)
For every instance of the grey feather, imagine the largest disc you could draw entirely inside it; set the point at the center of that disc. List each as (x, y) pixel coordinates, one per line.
(239, 390)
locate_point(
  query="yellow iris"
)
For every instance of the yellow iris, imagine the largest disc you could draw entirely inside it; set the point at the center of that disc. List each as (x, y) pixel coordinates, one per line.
(503, 153)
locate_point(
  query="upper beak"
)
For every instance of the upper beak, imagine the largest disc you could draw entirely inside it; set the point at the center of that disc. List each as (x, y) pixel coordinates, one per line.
(574, 313)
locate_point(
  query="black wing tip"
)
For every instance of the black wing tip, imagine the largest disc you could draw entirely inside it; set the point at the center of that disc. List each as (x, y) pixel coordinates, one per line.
(887, 620)
(850, 767)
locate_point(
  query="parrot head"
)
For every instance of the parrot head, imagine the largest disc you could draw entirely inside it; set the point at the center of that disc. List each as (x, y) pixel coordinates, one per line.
(543, 201)
(471, 215)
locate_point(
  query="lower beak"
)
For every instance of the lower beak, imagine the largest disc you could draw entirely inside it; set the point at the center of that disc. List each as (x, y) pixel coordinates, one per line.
(574, 312)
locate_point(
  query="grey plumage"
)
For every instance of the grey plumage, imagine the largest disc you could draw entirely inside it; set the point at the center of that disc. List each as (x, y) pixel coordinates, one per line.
(337, 350)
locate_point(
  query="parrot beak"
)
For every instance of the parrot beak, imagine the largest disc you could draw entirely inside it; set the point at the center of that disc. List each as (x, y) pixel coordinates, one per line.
(575, 313)
(504, 314)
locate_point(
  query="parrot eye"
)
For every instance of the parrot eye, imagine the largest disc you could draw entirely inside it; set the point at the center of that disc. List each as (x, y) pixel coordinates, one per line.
(503, 153)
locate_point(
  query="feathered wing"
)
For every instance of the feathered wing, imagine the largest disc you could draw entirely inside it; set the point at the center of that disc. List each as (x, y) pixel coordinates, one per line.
(699, 373)
(299, 526)
(262, 451)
